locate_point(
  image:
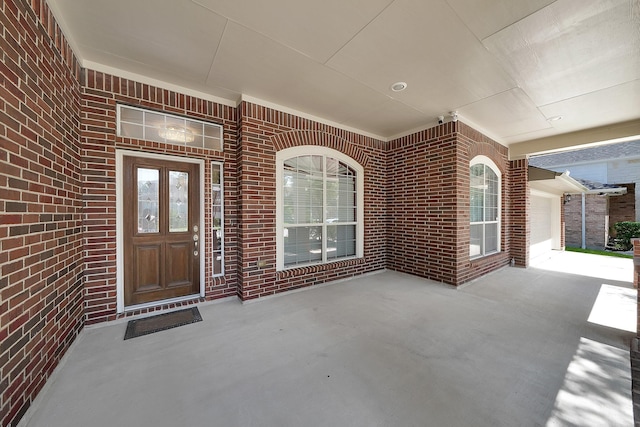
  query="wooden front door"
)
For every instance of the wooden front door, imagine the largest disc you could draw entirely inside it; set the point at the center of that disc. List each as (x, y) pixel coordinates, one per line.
(161, 230)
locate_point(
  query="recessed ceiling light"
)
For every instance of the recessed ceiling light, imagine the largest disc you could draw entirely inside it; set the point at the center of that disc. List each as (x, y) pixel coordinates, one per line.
(554, 118)
(398, 86)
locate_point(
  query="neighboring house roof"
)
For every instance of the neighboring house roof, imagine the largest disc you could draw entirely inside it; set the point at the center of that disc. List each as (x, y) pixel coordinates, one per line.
(599, 188)
(600, 153)
(559, 183)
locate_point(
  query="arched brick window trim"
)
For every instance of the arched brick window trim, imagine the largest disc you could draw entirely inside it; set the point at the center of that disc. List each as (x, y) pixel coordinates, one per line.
(306, 137)
(482, 148)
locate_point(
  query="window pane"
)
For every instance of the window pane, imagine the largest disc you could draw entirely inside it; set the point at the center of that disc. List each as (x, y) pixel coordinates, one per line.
(148, 200)
(484, 210)
(316, 214)
(132, 131)
(217, 252)
(491, 180)
(302, 190)
(178, 201)
(302, 245)
(491, 214)
(477, 175)
(212, 131)
(475, 247)
(346, 199)
(477, 204)
(491, 238)
(341, 241)
(131, 115)
(332, 168)
(216, 213)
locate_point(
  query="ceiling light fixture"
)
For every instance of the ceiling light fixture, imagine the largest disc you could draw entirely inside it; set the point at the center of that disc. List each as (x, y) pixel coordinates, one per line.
(176, 134)
(554, 118)
(398, 86)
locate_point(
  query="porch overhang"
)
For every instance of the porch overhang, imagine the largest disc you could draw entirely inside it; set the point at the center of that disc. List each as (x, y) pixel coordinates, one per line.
(554, 182)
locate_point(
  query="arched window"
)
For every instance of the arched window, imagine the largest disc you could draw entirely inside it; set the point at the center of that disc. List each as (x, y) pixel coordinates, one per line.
(319, 207)
(486, 181)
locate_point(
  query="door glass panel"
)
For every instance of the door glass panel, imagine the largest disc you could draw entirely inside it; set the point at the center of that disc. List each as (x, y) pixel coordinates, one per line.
(148, 200)
(178, 201)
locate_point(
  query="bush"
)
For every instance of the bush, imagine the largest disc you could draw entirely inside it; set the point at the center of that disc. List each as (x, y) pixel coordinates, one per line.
(625, 231)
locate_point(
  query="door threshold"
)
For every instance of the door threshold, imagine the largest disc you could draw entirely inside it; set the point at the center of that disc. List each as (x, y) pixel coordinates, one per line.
(160, 303)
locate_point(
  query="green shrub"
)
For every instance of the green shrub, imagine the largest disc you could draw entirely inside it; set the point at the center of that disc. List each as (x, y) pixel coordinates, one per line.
(625, 231)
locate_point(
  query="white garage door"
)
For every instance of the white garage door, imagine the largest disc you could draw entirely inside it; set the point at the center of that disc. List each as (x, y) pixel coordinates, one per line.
(541, 227)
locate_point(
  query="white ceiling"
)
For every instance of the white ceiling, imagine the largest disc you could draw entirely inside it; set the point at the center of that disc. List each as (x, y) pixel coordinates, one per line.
(506, 66)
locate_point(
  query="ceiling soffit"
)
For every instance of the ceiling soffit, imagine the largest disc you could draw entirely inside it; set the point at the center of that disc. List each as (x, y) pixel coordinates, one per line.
(506, 66)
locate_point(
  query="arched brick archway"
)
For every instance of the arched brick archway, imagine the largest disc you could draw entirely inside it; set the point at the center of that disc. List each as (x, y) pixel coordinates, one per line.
(296, 138)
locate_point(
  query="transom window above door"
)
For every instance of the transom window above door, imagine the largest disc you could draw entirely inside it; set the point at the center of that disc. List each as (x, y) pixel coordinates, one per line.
(156, 126)
(320, 207)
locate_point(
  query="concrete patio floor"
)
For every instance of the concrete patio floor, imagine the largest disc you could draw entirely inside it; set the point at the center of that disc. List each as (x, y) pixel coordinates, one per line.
(519, 347)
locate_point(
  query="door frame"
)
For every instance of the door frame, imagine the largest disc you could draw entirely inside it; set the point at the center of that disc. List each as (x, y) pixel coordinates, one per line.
(120, 154)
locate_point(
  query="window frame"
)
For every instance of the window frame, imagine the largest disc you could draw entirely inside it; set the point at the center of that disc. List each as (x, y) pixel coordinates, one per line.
(153, 122)
(312, 150)
(487, 163)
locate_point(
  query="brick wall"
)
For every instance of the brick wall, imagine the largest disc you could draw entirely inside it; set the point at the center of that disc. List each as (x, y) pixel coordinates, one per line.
(263, 132)
(573, 221)
(423, 206)
(40, 203)
(100, 95)
(472, 143)
(428, 194)
(623, 207)
(596, 221)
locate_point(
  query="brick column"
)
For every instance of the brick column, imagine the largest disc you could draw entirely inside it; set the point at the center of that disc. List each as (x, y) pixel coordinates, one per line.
(519, 212)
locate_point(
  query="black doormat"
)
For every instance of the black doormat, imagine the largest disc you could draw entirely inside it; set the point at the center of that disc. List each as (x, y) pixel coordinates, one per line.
(162, 322)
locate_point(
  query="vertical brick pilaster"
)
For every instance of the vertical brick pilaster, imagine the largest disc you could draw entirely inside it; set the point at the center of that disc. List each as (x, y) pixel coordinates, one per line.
(520, 230)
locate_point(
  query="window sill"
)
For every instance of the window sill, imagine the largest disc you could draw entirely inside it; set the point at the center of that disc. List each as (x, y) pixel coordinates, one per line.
(314, 268)
(481, 258)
